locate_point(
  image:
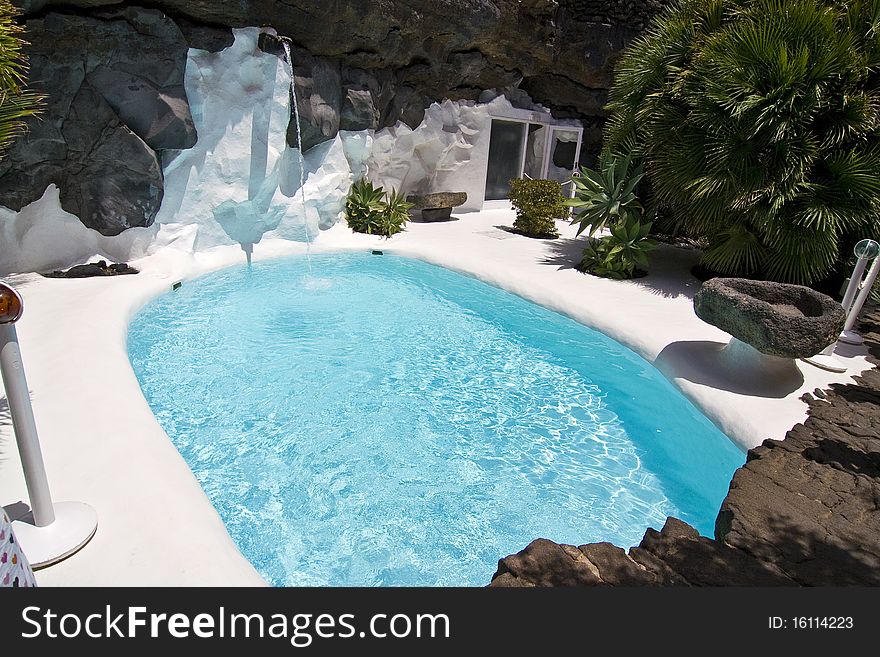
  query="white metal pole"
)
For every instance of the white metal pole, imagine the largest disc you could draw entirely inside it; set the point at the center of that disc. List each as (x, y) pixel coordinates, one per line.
(854, 282)
(51, 532)
(25, 427)
(863, 296)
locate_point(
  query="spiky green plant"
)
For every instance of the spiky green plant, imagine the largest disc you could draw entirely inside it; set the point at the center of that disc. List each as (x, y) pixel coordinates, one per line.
(758, 122)
(370, 210)
(618, 254)
(607, 195)
(364, 206)
(395, 214)
(16, 102)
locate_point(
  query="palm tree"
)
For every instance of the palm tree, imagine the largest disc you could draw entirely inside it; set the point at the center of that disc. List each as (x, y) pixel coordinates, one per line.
(759, 125)
(16, 102)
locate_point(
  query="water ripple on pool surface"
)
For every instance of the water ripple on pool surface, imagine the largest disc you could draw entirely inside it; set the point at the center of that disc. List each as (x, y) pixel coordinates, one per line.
(401, 424)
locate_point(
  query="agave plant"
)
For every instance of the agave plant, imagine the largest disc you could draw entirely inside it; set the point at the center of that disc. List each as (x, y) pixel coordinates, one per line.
(758, 122)
(606, 196)
(364, 206)
(369, 210)
(16, 102)
(395, 214)
(618, 254)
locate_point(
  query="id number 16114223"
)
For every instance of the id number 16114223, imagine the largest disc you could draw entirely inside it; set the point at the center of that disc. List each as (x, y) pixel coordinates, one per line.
(810, 623)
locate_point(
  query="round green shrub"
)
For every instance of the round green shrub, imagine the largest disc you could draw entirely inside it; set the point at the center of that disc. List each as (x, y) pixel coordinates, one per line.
(538, 203)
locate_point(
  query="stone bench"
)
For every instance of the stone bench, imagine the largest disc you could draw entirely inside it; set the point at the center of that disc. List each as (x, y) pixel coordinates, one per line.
(437, 206)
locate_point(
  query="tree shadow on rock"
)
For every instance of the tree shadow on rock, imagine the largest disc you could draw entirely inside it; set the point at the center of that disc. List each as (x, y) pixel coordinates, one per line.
(814, 557)
(841, 455)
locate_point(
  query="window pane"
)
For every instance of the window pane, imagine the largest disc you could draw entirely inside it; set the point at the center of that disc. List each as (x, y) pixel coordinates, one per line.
(505, 158)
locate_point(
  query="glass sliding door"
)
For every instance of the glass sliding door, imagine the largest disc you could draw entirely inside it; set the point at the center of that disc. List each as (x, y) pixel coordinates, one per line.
(506, 151)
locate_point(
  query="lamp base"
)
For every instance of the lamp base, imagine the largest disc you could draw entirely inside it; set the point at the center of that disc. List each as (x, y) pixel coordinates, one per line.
(75, 524)
(851, 337)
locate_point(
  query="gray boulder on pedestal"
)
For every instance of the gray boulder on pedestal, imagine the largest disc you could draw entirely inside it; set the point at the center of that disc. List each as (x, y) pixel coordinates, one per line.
(777, 319)
(437, 206)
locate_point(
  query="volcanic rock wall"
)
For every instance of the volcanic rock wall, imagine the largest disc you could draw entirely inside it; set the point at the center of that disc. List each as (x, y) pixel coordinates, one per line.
(113, 76)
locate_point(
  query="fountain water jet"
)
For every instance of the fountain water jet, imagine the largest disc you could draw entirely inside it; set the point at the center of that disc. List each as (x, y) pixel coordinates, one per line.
(285, 43)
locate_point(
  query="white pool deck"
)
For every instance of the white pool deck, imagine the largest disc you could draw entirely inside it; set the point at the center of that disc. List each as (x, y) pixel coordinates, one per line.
(103, 446)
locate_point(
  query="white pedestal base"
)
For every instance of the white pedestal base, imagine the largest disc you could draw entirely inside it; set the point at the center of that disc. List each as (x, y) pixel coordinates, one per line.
(75, 524)
(743, 359)
(825, 362)
(851, 337)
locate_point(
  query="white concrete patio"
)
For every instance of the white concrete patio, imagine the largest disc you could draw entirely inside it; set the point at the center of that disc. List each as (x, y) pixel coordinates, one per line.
(103, 446)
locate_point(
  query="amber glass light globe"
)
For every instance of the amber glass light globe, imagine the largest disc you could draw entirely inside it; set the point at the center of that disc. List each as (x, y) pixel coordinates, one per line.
(11, 305)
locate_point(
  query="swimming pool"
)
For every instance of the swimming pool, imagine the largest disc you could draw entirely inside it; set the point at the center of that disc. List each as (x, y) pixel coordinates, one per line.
(388, 422)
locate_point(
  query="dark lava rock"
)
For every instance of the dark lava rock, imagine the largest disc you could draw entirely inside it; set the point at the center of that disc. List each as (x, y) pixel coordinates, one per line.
(420, 51)
(112, 179)
(115, 95)
(358, 65)
(675, 556)
(359, 111)
(789, 321)
(318, 88)
(92, 269)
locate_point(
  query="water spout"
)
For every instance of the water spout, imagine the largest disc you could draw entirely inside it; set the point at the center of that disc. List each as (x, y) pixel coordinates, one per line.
(285, 43)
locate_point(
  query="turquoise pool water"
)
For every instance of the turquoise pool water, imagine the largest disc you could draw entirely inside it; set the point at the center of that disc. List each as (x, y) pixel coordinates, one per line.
(389, 422)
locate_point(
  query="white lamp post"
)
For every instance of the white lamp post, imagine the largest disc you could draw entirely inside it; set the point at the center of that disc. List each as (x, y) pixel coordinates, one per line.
(865, 251)
(51, 532)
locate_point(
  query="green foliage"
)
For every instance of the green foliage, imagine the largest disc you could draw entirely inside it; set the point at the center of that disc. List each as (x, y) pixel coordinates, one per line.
(606, 196)
(16, 102)
(394, 215)
(363, 207)
(538, 203)
(619, 254)
(369, 210)
(758, 123)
